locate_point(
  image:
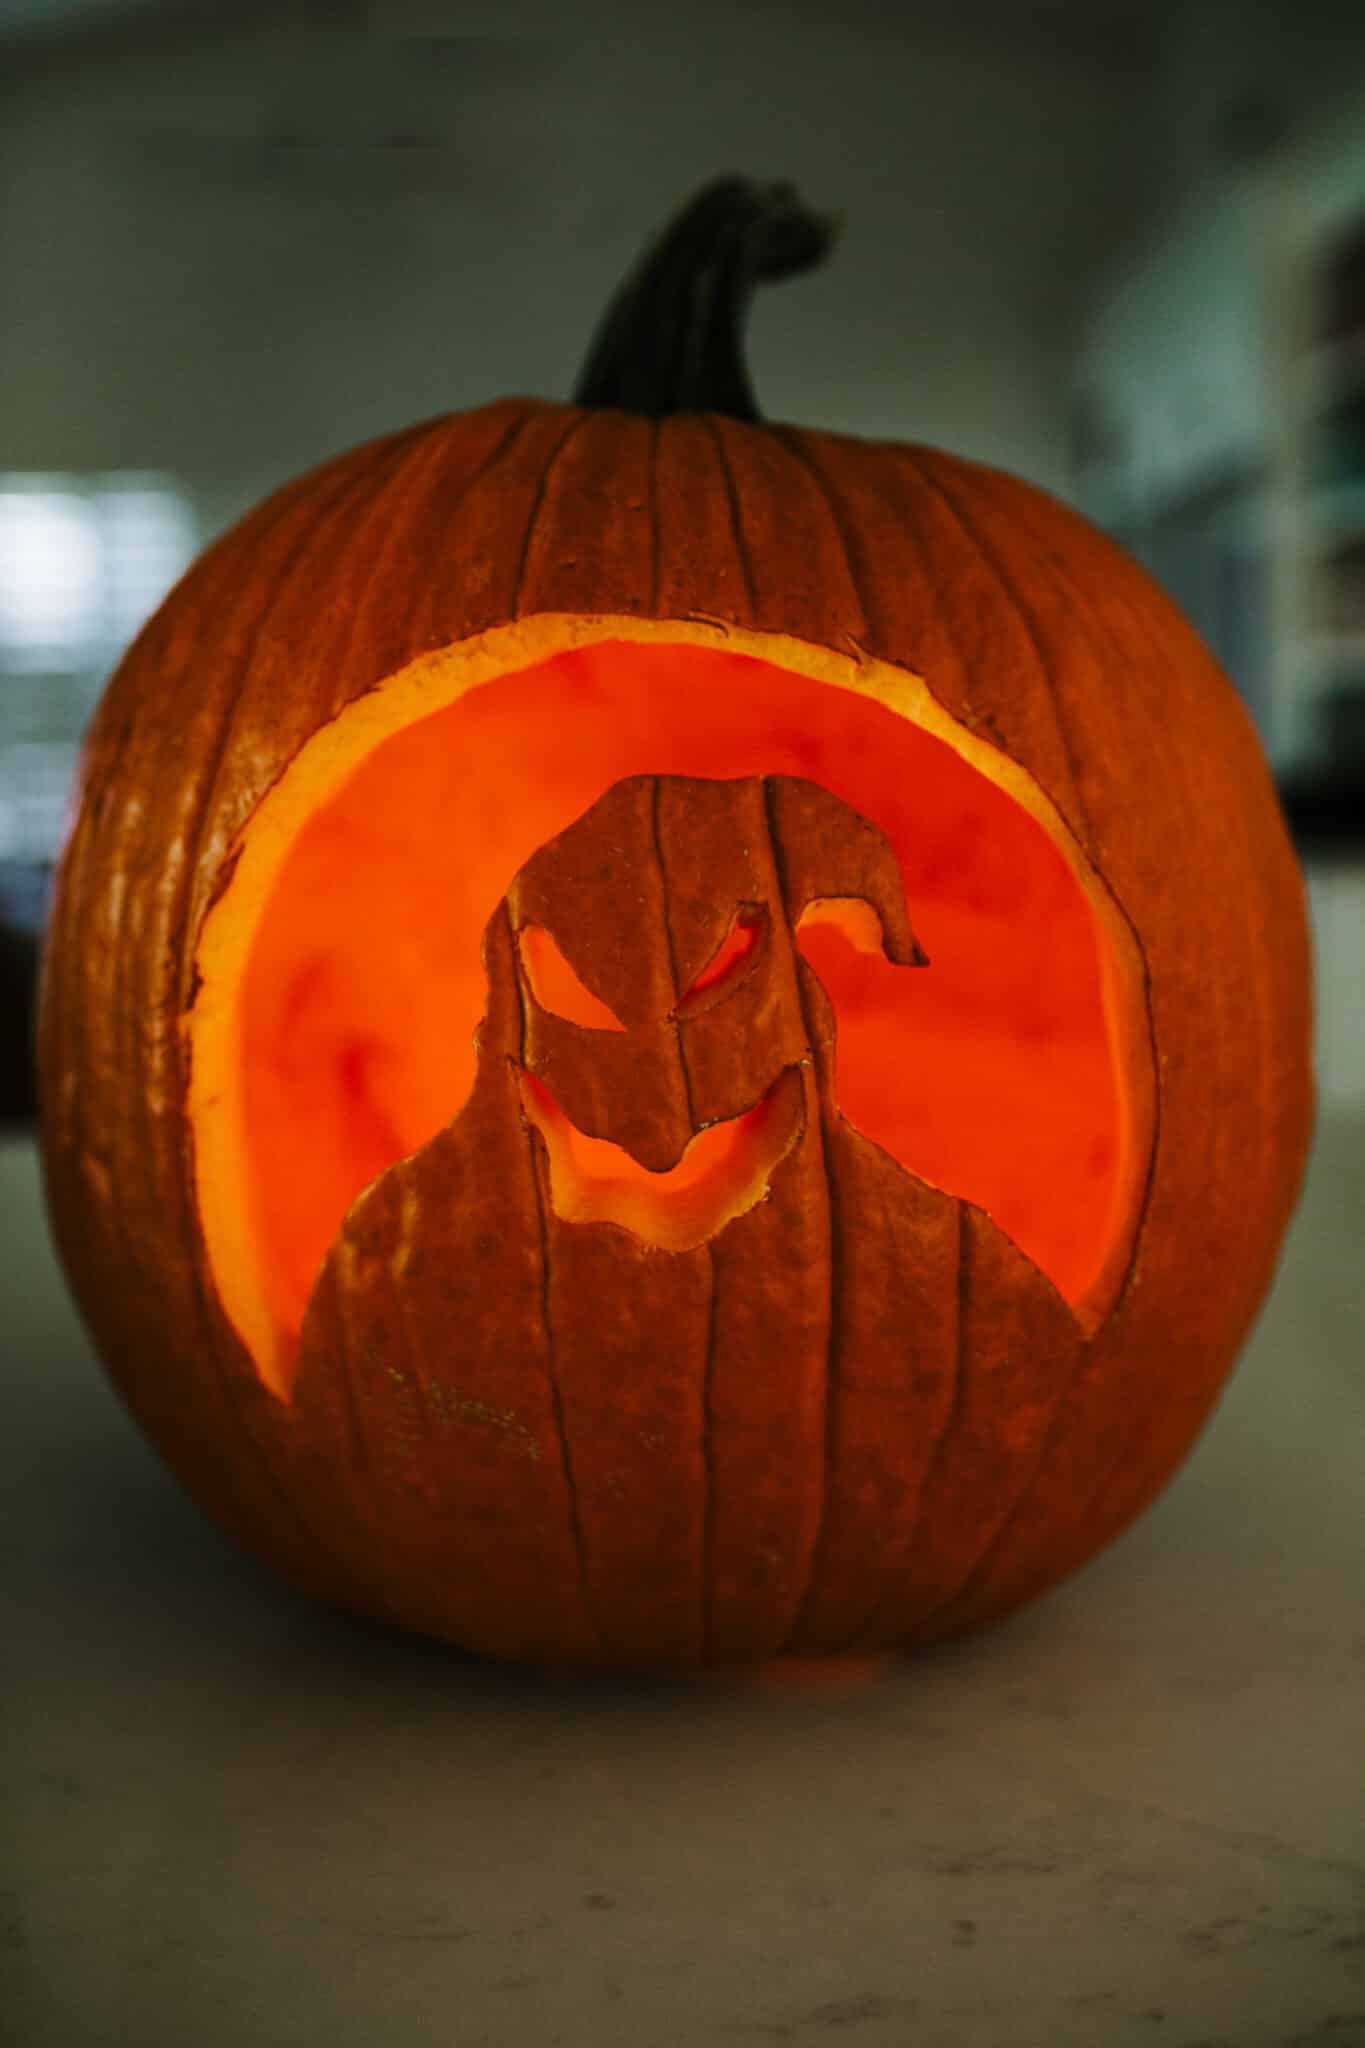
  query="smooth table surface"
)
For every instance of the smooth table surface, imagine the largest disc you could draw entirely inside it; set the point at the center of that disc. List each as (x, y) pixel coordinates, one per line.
(1134, 1814)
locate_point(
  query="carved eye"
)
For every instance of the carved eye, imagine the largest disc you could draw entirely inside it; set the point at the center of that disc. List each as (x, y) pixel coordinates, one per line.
(735, 954)
(557, 986)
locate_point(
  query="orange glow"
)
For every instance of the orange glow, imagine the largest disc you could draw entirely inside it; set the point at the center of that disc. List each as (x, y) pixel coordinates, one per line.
(850, 915)
(740, 943)
(994, 1072)
(723, 1171)
(557, 986)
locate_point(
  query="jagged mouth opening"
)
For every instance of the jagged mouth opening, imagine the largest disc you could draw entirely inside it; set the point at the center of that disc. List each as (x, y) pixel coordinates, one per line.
(340, 982)
(720, 1174)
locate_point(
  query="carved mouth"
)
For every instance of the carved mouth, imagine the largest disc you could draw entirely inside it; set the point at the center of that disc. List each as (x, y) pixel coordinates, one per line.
(722, 1171)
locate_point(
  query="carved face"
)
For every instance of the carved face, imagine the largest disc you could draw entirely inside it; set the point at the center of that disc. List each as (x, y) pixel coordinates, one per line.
(651, 1235)
(693, 861)
(613, 1222)
(675, 1046)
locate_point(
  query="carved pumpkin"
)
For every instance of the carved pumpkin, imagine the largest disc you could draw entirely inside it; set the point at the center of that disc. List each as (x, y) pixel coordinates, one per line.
(667, 1040)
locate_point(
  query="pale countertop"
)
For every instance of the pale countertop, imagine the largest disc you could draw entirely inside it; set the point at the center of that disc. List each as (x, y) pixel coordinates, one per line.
(1134, 1814)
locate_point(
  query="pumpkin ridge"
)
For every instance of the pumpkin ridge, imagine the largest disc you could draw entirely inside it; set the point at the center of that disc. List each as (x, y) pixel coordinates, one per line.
(124, 855)
(821, 453)
(351, 485)
(576, 422)
(794, 441)
(962, 1366)
(221, 1368)
(552, 1372)
(1254, 929)
(368, 562)
(1074, 811)
(1090, 1351)
(728, 478)
(430, 460)
(955, 1613)
(336, 1301)
(706, 1370)
(351, 488)
(708, 1360)
(926, 1618)
(332, 1304)
(655, 534)
(870, 1630)
(1253, 957)
(929, 1625)
(818, 1544)
(790, 524)
(670, 940)
(696, 521)
(1256, 980)
(1078, 599)
(403, 1319)
(254, 606)
(1082, 830)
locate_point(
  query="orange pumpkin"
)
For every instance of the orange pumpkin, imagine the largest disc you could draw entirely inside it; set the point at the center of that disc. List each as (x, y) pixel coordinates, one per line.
(667, 1040)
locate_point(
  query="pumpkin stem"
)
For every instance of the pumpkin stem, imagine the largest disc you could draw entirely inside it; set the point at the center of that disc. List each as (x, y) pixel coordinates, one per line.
(670, 340)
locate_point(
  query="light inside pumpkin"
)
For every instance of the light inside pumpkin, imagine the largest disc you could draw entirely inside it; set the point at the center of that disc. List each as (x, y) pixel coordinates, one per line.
(341, 979)
(740, 944)
(722, 1171)
(557, 986)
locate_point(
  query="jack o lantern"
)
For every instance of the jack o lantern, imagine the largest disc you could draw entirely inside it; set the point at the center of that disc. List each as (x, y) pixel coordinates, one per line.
(669, 1041)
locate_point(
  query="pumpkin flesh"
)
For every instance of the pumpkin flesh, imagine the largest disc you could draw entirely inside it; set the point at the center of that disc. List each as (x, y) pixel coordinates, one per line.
(341, 978)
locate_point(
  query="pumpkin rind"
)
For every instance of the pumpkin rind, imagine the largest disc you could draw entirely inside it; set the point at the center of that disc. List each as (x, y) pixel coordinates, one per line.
(1031, 629)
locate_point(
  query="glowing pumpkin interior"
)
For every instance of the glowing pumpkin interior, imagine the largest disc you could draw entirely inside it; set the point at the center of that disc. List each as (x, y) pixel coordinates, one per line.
(341, 980)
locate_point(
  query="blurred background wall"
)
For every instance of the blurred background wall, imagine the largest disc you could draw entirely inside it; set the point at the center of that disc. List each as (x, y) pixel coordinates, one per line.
(1116, 245)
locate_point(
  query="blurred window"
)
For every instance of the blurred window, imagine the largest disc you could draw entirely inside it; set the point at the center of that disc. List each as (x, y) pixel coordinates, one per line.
(84, 561)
